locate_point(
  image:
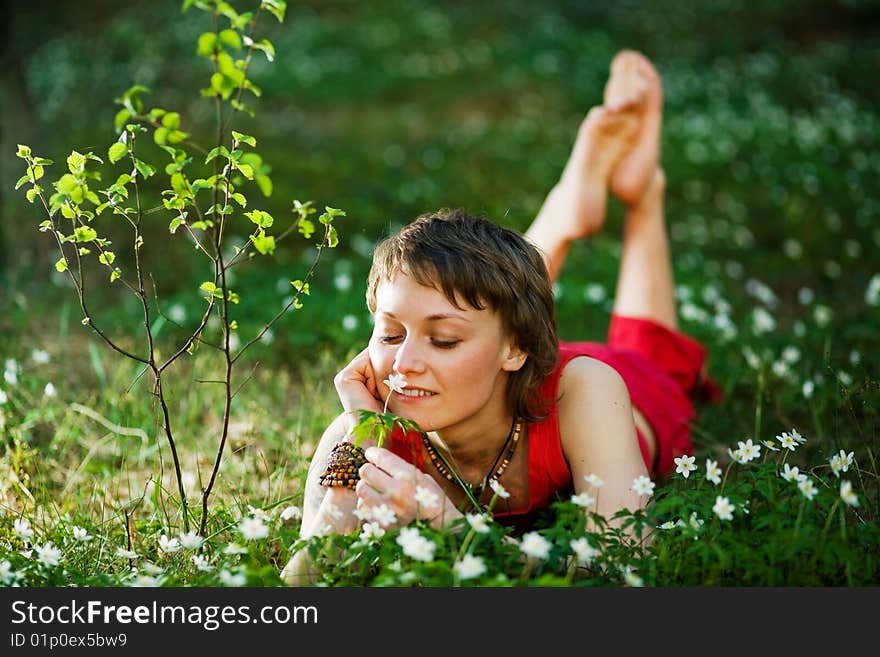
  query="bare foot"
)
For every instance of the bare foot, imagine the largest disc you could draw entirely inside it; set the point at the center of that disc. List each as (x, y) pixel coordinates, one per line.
(604, 137)
(633, 75)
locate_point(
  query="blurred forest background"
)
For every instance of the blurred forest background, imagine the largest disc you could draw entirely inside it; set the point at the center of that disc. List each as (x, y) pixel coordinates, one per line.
(390, 109)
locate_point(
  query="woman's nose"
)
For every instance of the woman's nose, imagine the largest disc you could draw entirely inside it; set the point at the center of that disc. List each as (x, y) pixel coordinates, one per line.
(408, 357)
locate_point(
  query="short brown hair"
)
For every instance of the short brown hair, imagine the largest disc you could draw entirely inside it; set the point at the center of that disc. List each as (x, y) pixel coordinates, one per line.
(470, 258)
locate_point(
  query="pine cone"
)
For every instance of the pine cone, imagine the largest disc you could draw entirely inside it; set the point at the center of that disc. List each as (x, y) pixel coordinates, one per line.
(343, 465)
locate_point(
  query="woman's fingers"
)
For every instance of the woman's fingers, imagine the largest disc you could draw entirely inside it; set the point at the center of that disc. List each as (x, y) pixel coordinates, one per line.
(356, 385)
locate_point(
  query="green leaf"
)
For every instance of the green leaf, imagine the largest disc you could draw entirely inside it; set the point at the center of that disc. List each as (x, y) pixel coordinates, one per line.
(216, 151)
(67, 184)
(171, 120)
(36, 171)
(144, 169)
(68, 212)
(116, 273)
(207, 44)
(31, 194)
(208, 287)
(263, 45)
(242, 107)
(306, 227)
(160, 136)
(76, 162)
(231, 39)
(244, 139)
(117, 152)
(84, 234)
(246, 170)
(21, 181)
(107, 258)
(23, 151)
(265, 185)
(301, 288)
(275, 7)
(119, 121)
(265, 244)
(61, 265)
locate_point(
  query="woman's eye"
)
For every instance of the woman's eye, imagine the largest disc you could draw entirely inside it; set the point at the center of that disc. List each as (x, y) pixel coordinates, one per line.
(444, 344)
(389, 339)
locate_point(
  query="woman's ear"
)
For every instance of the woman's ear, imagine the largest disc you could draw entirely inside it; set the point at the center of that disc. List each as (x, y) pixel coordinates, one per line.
(514, 358)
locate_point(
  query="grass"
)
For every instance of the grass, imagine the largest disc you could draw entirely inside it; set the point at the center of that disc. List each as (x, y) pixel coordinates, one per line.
(770, 150)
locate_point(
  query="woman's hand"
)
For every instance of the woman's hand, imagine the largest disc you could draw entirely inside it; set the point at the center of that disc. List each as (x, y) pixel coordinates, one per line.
(388, 479)
(357, 385)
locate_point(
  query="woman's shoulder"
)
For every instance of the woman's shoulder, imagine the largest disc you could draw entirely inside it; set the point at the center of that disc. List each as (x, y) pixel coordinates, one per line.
(584, 370)
(588, 387)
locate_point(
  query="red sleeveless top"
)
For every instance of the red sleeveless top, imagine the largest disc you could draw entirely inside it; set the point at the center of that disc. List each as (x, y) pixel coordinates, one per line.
(661, 370)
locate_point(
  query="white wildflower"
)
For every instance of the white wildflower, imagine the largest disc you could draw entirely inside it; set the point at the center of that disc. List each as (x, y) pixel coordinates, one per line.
(792, 473)
(808, 488)
(201, 563)
(723, 508)
(371, 531)
(81, 534)
(191, 540)
(500, 490)
(594, 481)
(22, 529)
(426, 498)
(478, 522)
(253, 529)
(126, 554)
(684, 465)
(584, 500)
(168, 545)
(643, 485)
(713, 472)
(847, 494)
(228, 578)
(396, 382)
(7, 575)
(415, 545)
(40, 356)
(384, 515)
(48, 555)
(291, 512)
(632, 579)
(584, 551)
(787, 441)
(770, 444)
(872, 293)
(748, 450)
(469, 567)
(536, 546)
(808, 388)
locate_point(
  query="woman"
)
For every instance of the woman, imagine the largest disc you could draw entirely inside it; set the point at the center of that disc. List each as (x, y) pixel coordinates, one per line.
(464, 315)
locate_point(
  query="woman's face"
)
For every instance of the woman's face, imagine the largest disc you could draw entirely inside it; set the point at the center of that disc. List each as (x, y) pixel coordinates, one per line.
(456, 361)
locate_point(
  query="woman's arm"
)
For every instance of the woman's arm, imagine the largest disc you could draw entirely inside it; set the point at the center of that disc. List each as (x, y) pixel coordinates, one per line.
(598, 435)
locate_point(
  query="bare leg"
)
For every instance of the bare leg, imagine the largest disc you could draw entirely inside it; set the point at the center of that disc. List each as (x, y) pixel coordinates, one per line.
(575, 207)
(645, 286)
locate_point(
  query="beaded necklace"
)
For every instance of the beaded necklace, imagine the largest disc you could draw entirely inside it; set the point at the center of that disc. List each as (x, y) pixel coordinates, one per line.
(475, 491)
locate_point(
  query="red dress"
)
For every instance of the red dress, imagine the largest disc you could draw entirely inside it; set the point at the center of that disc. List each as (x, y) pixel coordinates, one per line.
(661, 369)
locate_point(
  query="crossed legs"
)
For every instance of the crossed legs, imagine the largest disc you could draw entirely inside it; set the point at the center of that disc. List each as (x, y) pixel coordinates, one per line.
(617, 149)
